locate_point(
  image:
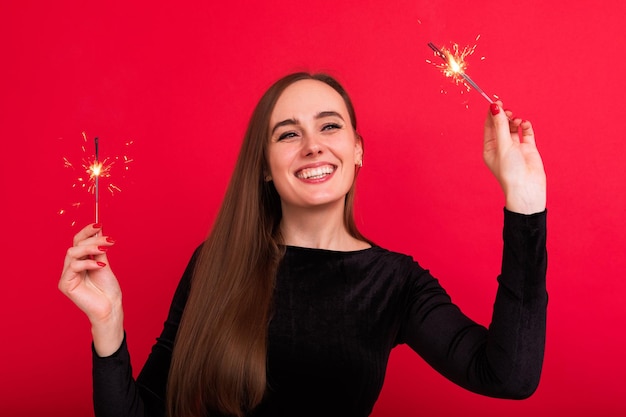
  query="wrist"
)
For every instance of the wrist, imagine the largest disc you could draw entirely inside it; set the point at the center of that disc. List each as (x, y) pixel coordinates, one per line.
(521, 205)
(108, 334)
(525, 198)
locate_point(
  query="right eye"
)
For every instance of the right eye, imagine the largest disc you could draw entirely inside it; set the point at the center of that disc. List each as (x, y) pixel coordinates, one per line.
(287, 135)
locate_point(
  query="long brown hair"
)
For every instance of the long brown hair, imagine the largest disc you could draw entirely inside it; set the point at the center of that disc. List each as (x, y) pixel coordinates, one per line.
(219, 358)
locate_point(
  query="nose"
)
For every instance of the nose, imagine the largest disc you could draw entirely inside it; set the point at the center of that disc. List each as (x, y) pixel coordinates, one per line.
(311, 145)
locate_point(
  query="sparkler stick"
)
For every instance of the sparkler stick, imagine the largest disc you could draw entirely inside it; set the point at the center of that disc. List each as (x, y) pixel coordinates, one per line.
(457, 69)
(96, 184)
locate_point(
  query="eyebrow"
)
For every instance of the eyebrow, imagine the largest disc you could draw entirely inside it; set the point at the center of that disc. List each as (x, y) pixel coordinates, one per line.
(320, 115)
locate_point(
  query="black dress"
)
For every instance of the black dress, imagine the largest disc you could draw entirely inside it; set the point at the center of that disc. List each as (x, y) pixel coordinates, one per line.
(338, 315)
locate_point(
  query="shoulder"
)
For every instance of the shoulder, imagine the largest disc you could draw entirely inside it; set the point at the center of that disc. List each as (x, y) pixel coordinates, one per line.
(393, 257)
(387, 264)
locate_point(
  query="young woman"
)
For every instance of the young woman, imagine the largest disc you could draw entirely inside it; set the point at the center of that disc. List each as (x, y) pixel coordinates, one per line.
(288, 310)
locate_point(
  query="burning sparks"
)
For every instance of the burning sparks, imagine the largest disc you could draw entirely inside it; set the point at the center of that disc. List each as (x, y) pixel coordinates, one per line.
(92, 169)
(455, 63)
(93, 172)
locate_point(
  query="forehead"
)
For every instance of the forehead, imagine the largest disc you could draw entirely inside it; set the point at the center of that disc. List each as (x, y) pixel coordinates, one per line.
(306, 98)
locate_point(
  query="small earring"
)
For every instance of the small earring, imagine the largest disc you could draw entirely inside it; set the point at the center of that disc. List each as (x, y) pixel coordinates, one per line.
(268, 178)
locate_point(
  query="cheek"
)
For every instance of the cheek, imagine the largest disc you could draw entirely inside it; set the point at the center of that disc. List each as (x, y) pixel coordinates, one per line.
(278, 160)
(282, 185)
(272, 158)
(352, 152)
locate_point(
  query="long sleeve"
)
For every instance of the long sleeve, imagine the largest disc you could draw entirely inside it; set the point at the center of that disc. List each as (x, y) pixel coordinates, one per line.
(504, 360)
(115, 391)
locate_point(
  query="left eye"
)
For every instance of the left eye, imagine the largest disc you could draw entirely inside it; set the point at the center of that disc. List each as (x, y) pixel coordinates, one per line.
(331, 126)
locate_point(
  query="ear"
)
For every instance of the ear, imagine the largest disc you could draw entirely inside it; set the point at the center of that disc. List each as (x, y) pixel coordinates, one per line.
(358, 149)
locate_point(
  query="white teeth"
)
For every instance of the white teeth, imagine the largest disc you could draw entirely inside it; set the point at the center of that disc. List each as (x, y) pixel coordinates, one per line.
(315, 173)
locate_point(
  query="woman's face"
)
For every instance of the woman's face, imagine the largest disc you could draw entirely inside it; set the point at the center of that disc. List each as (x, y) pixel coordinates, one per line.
(313, 149)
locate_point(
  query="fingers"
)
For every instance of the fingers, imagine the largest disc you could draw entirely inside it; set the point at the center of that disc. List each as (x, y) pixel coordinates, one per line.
(506, 126)
(96, 253)
(91, 236)
(514, 122)
(74, 268)
(87, 232)
(527, 131)
(88, 253)
(93, 248)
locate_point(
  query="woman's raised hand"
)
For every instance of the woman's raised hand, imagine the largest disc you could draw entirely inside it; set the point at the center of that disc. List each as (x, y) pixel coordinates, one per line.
(89, 282)
(510, 152)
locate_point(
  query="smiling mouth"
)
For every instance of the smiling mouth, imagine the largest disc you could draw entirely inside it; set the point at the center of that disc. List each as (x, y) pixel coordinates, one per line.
(315, 173)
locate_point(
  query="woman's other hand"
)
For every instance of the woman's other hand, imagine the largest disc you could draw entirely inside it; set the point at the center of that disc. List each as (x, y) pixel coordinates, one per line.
(511, 154)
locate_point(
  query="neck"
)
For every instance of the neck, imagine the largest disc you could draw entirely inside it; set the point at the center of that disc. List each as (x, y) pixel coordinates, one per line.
(319, 227)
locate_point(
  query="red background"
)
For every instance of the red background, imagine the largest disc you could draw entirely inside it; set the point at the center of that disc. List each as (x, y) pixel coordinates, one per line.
(180, 80)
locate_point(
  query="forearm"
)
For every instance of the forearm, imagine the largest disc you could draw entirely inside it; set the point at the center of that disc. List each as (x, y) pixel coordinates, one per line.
(516, 341)
(115, 393)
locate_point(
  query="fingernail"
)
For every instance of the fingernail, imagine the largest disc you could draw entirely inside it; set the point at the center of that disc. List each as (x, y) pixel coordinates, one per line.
(101, 264)
(97, 226)
(495, 109)
(110, 240)
(102, 248)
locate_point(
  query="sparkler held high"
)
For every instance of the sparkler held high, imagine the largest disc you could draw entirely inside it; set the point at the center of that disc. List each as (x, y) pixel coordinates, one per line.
(455, 67)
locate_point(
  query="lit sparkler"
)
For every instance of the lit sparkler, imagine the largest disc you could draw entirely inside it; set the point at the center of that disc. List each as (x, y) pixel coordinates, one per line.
(96, 171)
(93, 170)
(454, 66)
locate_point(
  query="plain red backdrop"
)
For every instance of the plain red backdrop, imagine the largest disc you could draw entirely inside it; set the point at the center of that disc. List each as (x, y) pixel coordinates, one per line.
(179, 79)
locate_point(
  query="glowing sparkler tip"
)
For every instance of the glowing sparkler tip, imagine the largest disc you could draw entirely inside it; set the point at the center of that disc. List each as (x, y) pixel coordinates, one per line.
(93, 170)
(454, 66)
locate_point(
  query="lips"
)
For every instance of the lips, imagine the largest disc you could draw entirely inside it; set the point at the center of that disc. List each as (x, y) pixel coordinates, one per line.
(315, 172)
